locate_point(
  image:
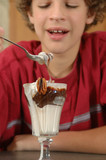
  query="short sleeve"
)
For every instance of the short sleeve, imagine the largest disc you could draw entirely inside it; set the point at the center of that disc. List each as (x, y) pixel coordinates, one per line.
(103, 70)
(3, 108)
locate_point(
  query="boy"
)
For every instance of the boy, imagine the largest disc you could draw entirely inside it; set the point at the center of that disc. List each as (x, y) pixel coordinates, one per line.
(79, 60)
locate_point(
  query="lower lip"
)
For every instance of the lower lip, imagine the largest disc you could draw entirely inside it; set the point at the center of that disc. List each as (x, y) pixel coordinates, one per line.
(57, 36)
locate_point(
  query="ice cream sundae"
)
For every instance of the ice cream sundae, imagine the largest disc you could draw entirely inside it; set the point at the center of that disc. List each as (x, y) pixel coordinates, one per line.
(45, 103)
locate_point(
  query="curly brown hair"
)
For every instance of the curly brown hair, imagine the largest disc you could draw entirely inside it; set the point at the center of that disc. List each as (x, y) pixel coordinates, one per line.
(95, 6)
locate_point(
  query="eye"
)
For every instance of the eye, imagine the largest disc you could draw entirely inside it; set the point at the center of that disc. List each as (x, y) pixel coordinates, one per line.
(71, 6)
(44, 5)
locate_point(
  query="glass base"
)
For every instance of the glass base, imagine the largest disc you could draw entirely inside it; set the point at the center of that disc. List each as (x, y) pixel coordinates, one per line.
(45, 148)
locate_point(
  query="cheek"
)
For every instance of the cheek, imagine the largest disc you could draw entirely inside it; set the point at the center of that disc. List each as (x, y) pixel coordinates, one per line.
(79, 20)
(39, 25)
(39, 21)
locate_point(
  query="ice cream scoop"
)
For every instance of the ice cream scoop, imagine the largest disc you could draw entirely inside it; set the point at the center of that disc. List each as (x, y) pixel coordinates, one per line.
(44, 58)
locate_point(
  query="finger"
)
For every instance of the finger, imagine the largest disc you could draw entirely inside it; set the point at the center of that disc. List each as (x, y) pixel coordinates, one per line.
(1, 40)
(1, 31)
(1, 45)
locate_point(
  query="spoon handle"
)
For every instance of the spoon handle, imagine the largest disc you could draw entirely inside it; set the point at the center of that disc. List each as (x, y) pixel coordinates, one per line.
(13, 43)
(28, 54)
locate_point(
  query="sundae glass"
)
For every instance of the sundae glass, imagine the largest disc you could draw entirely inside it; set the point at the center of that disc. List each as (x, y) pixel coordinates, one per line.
(45, 102)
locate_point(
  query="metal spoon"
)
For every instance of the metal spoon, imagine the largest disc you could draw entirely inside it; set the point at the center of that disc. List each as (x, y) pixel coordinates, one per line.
(42, 58)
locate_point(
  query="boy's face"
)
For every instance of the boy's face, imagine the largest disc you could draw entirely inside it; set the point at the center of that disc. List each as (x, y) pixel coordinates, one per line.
(59, 24)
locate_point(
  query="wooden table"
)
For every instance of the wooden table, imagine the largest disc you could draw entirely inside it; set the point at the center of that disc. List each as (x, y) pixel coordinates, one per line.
(55, 156)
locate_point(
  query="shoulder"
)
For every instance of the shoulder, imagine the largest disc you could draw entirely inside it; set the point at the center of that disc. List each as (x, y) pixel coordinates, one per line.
(95, 41)
(93, 48)
(95, 37)
(30, 45)
(99, 34)
(13, 54)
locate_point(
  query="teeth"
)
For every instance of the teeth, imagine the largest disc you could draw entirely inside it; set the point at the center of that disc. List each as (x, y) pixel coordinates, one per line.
(55, 31)
(60, 31)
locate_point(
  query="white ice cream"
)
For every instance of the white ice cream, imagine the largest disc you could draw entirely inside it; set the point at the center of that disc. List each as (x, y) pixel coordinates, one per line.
(48, 120)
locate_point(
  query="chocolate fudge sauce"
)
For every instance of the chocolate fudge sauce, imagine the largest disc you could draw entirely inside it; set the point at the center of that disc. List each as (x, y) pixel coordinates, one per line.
(48, 98)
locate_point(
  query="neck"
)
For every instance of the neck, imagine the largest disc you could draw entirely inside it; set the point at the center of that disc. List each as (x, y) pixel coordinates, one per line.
(62, 64)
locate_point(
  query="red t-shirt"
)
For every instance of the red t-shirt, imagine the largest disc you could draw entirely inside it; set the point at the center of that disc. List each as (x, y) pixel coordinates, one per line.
(85, 105)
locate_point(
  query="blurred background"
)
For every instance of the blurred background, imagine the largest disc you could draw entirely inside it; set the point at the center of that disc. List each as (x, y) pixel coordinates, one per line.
(15, 27)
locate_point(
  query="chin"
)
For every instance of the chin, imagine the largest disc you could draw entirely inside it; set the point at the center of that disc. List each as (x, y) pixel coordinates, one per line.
(56, 49)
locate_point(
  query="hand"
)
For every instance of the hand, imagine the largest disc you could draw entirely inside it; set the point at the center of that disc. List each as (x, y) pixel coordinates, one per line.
(1, 40)
(24, 142)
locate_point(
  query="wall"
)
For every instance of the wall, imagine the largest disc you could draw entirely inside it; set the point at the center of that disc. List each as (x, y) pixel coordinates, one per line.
(18, 30)
(4, 17)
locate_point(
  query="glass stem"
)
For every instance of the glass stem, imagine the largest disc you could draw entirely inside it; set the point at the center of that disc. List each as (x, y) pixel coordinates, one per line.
(45, 149)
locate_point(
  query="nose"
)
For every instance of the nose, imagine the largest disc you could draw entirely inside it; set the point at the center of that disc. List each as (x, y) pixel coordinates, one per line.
(57, 13)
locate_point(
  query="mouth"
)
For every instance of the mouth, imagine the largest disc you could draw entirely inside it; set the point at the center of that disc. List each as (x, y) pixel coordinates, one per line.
(57, 31)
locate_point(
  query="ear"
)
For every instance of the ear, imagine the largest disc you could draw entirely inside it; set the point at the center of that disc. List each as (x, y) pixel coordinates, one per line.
(30, 16)
(90, 18)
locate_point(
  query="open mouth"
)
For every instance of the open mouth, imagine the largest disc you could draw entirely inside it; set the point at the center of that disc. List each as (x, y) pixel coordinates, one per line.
(57, 31)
